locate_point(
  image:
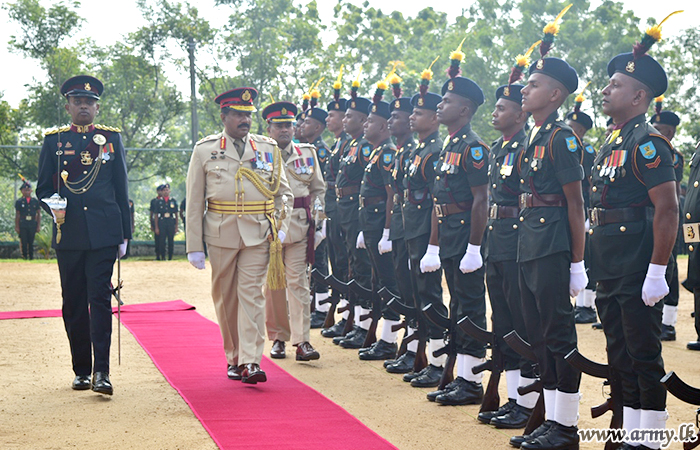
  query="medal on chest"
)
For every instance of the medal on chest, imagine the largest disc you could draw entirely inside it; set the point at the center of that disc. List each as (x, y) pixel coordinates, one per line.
(450, 164)
(507, 167)
(613, 165)
(414, 166)
(537, 157)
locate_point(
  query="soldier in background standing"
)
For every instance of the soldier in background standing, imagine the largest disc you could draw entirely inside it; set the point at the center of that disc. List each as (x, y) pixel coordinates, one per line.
(153, 212)
(166, 221)
(27, 219)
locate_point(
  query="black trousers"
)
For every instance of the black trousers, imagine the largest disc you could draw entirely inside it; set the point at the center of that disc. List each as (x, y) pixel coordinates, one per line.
(399, 256)
(26, 239)
(337, 252)
(467, 298)
(671, 298)
(427, 287)
(549, 319)
(502, 278)
(383, 268)
(632, 331)
(359, 266)
(167, 235)
(87, 311)
(320, 263)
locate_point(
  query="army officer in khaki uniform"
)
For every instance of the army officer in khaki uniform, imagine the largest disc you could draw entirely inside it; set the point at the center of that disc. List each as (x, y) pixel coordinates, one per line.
(235, 186)
(288, 310)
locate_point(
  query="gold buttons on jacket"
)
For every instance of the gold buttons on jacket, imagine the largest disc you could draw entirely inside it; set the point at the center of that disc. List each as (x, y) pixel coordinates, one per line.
(437, 178)
(590, 231)
(695, 184)
(594, 188)
(515, 226)
(522, 181)
(623, 228)
(691, 248)
(84, 208)
(462, 221)
(687, 215)
(525, 159)
(493, 185)
(418, 206)
(490, 227)
(541, 219)
(522, 218)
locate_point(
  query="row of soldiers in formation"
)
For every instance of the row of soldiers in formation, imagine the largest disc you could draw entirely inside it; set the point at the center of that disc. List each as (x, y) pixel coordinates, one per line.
(516, 217)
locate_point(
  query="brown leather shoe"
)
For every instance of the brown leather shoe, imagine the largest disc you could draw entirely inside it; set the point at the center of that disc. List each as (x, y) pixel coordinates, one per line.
(234, 372)
(278, 351)
(252, 374)
(305, 352)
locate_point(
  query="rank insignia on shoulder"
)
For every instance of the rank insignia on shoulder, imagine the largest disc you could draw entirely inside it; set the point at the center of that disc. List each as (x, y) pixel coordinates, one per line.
(548, 127)
(648, 150)
(571, 144)
(477, 153)
(366, 151)
(589, 149)
(618, 141)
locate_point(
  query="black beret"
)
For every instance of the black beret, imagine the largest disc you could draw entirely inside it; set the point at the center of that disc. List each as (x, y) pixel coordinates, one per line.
(645, 69)
(318, 114)
(428, 101)
(340, 105)
(558, 69)
(279, 112)
(301, 116)
(666, 118)
(380, 108)
(401, 104)
(359, 104)
(581, 118)
(510, 92)
(25, 184)
(82, 86)
(464, 87)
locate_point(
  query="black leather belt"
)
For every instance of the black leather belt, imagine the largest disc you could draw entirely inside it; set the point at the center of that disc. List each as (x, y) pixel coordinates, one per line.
(447, 209)
(601, 216)
(503, 212)
(546, 200)
(366, 201)
(347, 190)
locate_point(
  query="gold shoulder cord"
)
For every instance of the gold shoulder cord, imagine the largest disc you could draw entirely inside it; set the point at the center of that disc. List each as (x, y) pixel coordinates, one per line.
(88, 179)
(275, 272)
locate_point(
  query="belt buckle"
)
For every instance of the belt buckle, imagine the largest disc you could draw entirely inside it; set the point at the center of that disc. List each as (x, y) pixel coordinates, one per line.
(493, 211)
(522, 201)
(396, 199)
(338, 192)
(362, 202)
(438, 211)
(595, 217)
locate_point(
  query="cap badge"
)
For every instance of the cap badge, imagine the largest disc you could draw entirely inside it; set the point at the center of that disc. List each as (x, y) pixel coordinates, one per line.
(337, 106)
(87, 86)
(397, 104)
(246, 96)
(352, 105)
(450, 86)
(421, 102)
(374, 108)
(575, 116)
(540, 64)
(284, 111)
(630, 67)
(506, 91)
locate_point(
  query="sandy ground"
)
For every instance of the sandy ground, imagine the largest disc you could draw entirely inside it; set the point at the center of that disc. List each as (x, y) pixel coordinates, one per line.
(38, 410)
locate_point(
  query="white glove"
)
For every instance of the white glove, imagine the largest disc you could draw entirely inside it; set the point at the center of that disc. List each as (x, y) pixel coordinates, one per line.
(122, 248)
(360, 240)
(318, 237)
(281, 234)
(654, 287)
(430, 262)
(196, 259)
(587, 225)
(323, 229)
(384, 245)
(472, 259)
(577, 278)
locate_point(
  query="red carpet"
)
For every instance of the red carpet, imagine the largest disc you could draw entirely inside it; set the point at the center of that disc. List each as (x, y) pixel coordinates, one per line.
(175, 305)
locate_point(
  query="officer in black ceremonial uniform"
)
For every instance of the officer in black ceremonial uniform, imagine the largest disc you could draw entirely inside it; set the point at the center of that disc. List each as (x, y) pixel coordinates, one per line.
(420, 230)
(166, 221)
(633, 230)
(376, 206)
(501, 255)
(399, 125)
(27, 219)
(337, 251)
(691, 236)
(665, 123)
(347, 189)
(460, 194)
(311, 131)
(85, 164)
(550, 247)
(153, 208)
(580, 122)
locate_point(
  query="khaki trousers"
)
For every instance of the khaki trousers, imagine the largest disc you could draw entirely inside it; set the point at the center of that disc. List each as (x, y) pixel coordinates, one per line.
(237, 280)
(288, 311)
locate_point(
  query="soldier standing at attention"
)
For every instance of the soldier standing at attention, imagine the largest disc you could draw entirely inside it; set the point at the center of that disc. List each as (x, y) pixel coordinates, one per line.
(235, 187)
(337, 251)
(85, 164)
(311, 132)
(691, 235)
(460, 194)
(501, 253)
(153, 211)
(580, 122)
(27, 219)
(287, 310)
(665, 123)
(633, 230)
(166, 221)
(551, 244)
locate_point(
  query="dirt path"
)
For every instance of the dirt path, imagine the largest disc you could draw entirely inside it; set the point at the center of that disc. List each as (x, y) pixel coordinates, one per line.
(38, 410)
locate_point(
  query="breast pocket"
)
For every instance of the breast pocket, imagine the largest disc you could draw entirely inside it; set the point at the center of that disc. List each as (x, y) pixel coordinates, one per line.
(216, 171)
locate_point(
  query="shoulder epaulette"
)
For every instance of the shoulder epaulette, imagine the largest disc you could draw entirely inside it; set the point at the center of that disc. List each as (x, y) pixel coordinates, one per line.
(211, 137)
(261, 138)
(106, 128)
(57, 130)
(305, 145)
